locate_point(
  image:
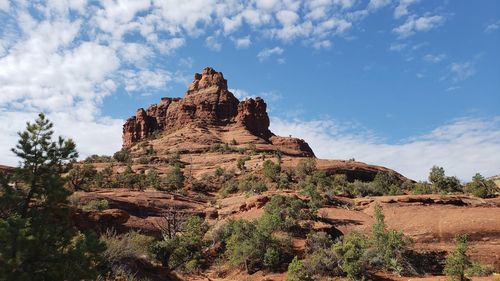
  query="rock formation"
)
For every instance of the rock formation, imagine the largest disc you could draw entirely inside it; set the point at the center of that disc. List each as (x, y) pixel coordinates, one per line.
(210, 119)
(207, 102)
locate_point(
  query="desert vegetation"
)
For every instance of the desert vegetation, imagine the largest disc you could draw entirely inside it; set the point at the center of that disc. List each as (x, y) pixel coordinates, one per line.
(39, 241)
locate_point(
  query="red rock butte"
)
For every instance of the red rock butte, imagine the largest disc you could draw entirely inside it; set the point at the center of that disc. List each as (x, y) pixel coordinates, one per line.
(207, 102)
(209, 115)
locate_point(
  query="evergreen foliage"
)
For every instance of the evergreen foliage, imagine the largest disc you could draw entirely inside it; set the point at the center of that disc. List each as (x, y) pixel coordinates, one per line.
(297, 271)
(481, 187)
(37, 239)
(457, 261)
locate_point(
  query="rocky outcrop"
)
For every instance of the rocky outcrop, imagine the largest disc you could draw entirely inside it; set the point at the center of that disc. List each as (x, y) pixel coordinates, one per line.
(252, 114)
(285, 144)
(206, 102)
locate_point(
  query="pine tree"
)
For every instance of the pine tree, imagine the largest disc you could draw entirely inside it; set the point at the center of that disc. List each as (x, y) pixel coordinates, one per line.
(457, 261)
(37, 239)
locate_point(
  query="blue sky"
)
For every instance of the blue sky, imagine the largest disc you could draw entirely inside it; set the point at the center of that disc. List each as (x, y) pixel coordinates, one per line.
(401, 83)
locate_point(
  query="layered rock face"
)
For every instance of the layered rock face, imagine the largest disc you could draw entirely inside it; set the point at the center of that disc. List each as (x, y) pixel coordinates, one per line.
(207, 102)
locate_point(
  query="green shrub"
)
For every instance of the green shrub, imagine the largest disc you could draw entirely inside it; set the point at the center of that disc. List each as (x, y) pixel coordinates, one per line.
(340, 185)
(128, 179)
(316, 201)
(183, 251)
(150, 151)
(272, 259)
(122, 156)
(96, 205)
(359, 189)
(422, 187)
(321, 180)
(144, 160)
(123, 248)
(297, 272)
(283, 213)
(151, 179)
(82, 177)
(272, 171)
(219, 172)
(104, 178)
(98, 159)
(481, 187)
(321, 259)
(389, 245)
(252, 183)
(476, 269)
(352, 251)
(386, 184)
(229, 187)
(441, 183)
(224, 148)
(175, 178)
(246, 245)
(285, 179)
(241, 163)
(252, 148)
(305, 167)
(457, 261)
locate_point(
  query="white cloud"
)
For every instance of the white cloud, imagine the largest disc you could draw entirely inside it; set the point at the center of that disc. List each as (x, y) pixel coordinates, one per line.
(287, 18)
(463, 147)
(243, 42)
(241, 94)
(377, 4)
(414, 24)
(462, 71)
(270, 96)
(402, 8)
(434, 58)
(397, 47)
(345, 4)
(325, 44)
(266, 53)
(4, 5)
(145, 80)
(492, 27)
(212, 43)
(66, 57)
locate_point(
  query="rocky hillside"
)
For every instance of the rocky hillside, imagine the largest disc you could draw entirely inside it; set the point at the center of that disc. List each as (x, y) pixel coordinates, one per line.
(210, 119)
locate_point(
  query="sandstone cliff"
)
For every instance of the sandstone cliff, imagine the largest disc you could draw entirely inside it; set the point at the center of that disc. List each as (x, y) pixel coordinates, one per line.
(210, 116)
(206, 102)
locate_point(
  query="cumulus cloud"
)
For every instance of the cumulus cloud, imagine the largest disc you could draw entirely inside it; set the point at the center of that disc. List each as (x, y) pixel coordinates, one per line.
(324, 44)
(243, 42)
(377, 4)
(212, 43)
(461, 71)
(266, 53)
(463, 147)
(402, 8)
(4, 5)
(66, 57)
(492, 27)
(415, 24)
(434, 58)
